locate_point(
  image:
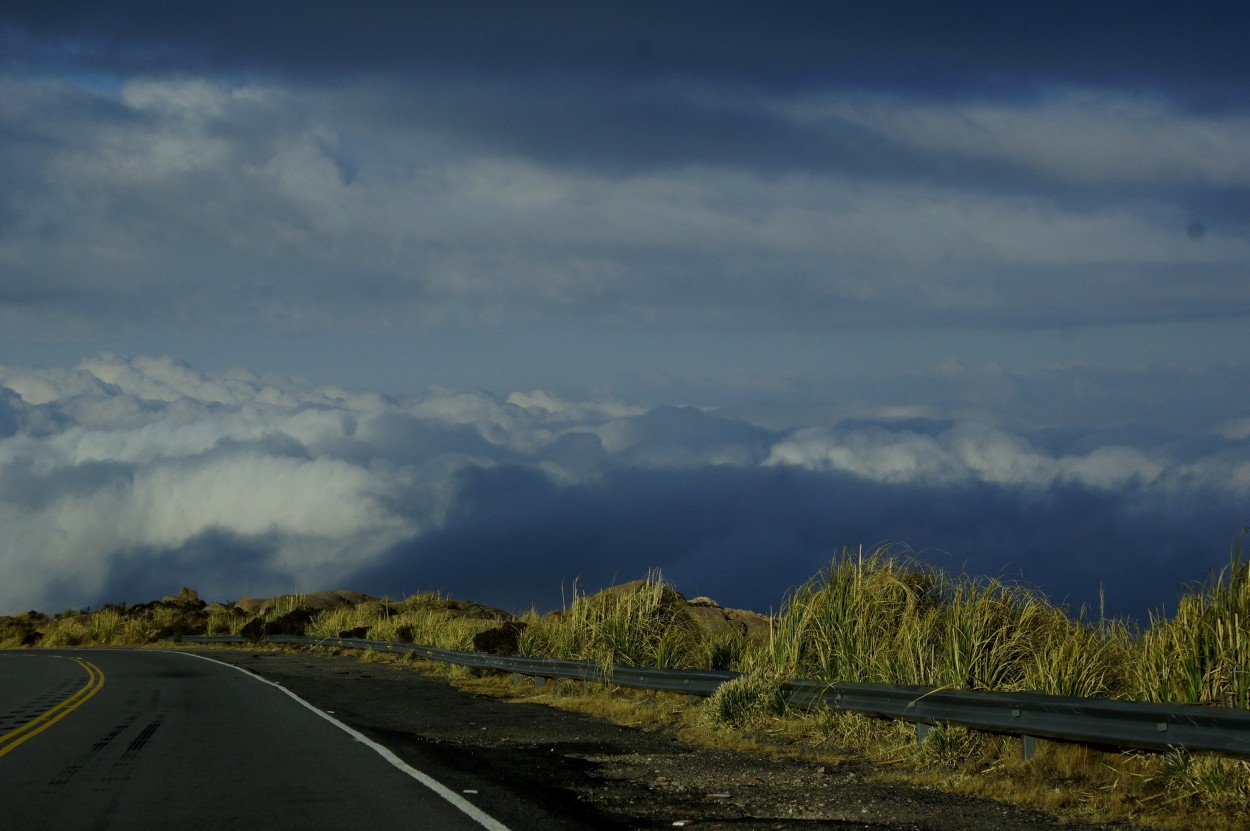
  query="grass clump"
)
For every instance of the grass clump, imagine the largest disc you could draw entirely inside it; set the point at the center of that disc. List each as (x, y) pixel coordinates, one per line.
(1207, 783)
(746, 701)
(428, 619)
(117, 624)
(640, 624)
(1202, 654)
(884, 619)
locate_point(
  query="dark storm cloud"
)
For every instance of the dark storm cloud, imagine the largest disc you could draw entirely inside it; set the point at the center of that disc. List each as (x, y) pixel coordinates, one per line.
(655, 83)
(302, 168)
(916, 44)
(221, 564)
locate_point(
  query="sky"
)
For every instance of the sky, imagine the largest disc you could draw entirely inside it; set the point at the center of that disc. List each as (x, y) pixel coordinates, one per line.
(504, 299)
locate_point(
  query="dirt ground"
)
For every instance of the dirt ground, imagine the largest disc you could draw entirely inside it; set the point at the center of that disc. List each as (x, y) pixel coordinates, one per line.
(606, 776)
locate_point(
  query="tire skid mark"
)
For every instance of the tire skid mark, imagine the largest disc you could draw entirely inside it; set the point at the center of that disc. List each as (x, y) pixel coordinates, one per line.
(69, 771)
(142, 739)
(120, 771)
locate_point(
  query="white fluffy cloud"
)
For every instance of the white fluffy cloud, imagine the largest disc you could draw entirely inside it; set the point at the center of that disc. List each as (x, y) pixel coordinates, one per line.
(123, 455)
(123, 464)
(966, 452)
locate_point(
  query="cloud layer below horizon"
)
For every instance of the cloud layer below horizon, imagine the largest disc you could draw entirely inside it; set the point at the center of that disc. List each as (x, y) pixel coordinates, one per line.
(123, 479)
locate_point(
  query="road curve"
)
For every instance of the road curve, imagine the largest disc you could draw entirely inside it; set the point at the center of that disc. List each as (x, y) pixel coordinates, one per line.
(106, 739)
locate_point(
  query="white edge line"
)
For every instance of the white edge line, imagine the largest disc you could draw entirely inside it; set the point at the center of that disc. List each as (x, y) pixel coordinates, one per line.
(477, 814)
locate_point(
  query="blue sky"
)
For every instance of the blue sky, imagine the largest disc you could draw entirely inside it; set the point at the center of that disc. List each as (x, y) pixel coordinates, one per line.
(505, 295)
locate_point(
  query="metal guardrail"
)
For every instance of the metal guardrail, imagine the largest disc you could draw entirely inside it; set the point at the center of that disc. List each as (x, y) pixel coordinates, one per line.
(1091, 721)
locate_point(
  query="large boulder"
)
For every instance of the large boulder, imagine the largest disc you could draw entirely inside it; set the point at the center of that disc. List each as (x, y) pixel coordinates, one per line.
(293, 622)
(502, 640)
(715, 619)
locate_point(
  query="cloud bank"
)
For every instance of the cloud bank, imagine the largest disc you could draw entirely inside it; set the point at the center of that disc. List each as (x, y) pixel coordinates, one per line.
(263, 204)
(123, 479)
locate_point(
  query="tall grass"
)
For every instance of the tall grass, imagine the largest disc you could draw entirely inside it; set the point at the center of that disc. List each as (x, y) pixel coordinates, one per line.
(641, 625)
(108, 627)
(881, 618)
(1202, 654)
(424, 619)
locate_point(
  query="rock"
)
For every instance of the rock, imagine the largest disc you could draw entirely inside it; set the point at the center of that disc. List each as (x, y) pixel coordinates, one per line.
(317, 601)
(181, 626)
(502, 640)
(709, 616)
(292, 623)
(254, 629)
(224, 609)
(469, 609)
(717, 620)
(185, 599)
(21, 629)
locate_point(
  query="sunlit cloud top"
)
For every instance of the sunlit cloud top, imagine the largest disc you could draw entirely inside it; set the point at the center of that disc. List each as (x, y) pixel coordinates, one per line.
(121, 475)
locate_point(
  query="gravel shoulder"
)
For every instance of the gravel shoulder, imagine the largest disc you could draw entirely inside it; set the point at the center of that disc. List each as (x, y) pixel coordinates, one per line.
(510, 755)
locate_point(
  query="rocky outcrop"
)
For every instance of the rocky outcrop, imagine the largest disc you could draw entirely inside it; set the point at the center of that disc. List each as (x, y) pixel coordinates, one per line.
(716, 619)
(292, 623)
(317, 601)
(469, 609)
(186, 599)
(709, 616)
(21, 630)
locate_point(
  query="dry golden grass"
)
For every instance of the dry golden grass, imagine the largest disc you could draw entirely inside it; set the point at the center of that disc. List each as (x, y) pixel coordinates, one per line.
(873, 617)
(644, 627)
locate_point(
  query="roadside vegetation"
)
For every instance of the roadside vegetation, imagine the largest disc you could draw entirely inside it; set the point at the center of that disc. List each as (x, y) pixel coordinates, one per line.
(877, 617)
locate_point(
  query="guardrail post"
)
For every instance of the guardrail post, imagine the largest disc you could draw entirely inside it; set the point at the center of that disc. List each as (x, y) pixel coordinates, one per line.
(922, 732)
(540, 683)
(1028, 746)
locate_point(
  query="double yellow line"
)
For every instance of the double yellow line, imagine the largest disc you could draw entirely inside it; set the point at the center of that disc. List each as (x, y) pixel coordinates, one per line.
(41, 722)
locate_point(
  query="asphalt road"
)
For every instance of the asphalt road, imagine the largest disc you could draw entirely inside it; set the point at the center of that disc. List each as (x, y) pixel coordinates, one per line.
(103, 739)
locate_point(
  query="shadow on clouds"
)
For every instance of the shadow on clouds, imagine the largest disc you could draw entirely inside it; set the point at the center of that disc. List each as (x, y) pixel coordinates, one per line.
(747, 536)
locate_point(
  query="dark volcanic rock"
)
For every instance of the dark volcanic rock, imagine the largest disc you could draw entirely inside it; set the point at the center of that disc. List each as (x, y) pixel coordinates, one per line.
(291, 623)
(502, 640)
